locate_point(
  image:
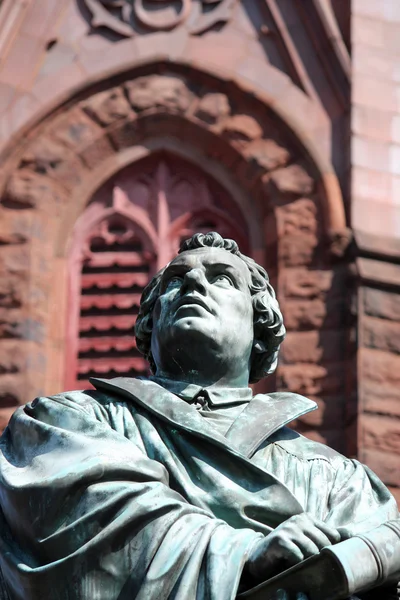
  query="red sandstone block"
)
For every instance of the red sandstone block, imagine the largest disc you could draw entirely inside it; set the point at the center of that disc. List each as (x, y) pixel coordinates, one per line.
(381, 334)
(20, 65)
(313, 347)
(379, 398)
(41, 17)
(312, 379)
(12, 358)
(372, 123)
(112, 57)
(227, 51)
(72, 27)
(383, 95)
(379, 367)
(392, 38)
(383, 304)
(377, 218)
(7, 94)
(374, 185)
(370, 154)
(14, 259)
(335, 438)
(300, 315)
(368, 8)
(395, 129)
(379, 432)
(11, 391)
(367, 31)
(172, 44)
(54, 86)
(306, 284)
(384, 464)
(395, 160)
(374, 62)
(376, 270)
(60, 56)
(331, 410)
(391, 11)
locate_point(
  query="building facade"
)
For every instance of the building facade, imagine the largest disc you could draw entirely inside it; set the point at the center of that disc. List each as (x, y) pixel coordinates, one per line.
(127, 125)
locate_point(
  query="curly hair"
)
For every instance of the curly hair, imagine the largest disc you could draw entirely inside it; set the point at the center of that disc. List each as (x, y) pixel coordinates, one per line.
(268, 325)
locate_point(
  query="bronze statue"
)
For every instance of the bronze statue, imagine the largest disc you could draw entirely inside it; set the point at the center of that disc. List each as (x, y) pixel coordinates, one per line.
(183, 485)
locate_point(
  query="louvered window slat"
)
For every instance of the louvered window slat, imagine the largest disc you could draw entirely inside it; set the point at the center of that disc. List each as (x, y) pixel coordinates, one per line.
(113, 277)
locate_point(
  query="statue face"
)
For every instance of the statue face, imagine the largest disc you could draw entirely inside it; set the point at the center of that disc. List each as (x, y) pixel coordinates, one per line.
(205, 304)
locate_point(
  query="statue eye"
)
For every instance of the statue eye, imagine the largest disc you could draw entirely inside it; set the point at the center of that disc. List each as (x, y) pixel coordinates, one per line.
(223, 280)
(175, 281)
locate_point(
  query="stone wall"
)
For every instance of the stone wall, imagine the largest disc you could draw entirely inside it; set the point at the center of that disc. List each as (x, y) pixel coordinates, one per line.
(376, 224)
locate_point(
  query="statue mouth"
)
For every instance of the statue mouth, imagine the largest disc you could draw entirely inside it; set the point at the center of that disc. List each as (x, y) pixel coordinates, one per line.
(192, 301)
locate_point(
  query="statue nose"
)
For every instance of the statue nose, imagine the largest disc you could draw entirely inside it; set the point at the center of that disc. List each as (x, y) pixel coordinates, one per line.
(194, 280)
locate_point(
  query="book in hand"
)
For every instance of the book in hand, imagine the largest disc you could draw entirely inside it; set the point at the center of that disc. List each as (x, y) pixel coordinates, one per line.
(319, 577)
(355, 565)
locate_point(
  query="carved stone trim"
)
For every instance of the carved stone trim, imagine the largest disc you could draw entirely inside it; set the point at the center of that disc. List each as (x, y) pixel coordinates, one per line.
(125, 16)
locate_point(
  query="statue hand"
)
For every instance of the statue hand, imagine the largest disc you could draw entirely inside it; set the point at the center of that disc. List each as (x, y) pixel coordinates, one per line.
(291, 542)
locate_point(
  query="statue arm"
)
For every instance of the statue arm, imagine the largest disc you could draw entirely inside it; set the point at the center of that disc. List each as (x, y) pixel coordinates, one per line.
(85, 506)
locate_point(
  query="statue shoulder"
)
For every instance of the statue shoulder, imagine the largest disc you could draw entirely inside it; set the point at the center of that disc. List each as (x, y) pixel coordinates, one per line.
(305, 449)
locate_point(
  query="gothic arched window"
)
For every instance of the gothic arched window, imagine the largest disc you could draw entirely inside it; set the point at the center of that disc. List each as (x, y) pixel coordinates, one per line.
(132, 227)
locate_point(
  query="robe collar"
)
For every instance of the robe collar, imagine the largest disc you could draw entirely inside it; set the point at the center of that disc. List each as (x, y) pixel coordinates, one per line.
(216, 396)
(262, 416)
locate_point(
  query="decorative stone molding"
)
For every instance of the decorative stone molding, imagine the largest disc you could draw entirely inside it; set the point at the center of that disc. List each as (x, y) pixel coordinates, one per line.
(125, 16)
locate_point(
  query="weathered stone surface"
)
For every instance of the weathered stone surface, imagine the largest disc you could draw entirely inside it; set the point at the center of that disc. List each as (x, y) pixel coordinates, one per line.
(381, 398)
(96, 152)
(313, 346)
(75, 129)
(108, 107)
(382, 433)
(267, 154)
(292, 180)
(378, 271)
(381, 334)
(241, 128)
(331, 410)
(305, 283)
(12, 357)
(11, 291)
(14, 259)
(312, 314)
(10, 323)
(311, 379)
(383, 304)
(339, 241)
(298, 250)
(14, 228)
(26, 189)
(125, 133)
(51, 158)
(11, 391)
(213, 107)
(379, 367)
(384, 464)
(334, 438)
(162, 91)
(298, 217)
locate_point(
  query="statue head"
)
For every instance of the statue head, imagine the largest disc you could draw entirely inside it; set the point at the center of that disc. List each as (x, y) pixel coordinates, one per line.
(210, 299)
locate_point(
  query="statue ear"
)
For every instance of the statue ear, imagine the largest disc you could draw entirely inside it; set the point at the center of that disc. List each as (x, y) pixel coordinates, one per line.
(259, 347)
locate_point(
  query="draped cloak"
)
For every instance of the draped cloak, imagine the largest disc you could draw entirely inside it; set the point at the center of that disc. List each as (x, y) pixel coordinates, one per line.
(126, 492)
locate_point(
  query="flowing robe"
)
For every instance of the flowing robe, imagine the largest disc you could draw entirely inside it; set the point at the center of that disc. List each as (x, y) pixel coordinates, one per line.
(126, 492)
